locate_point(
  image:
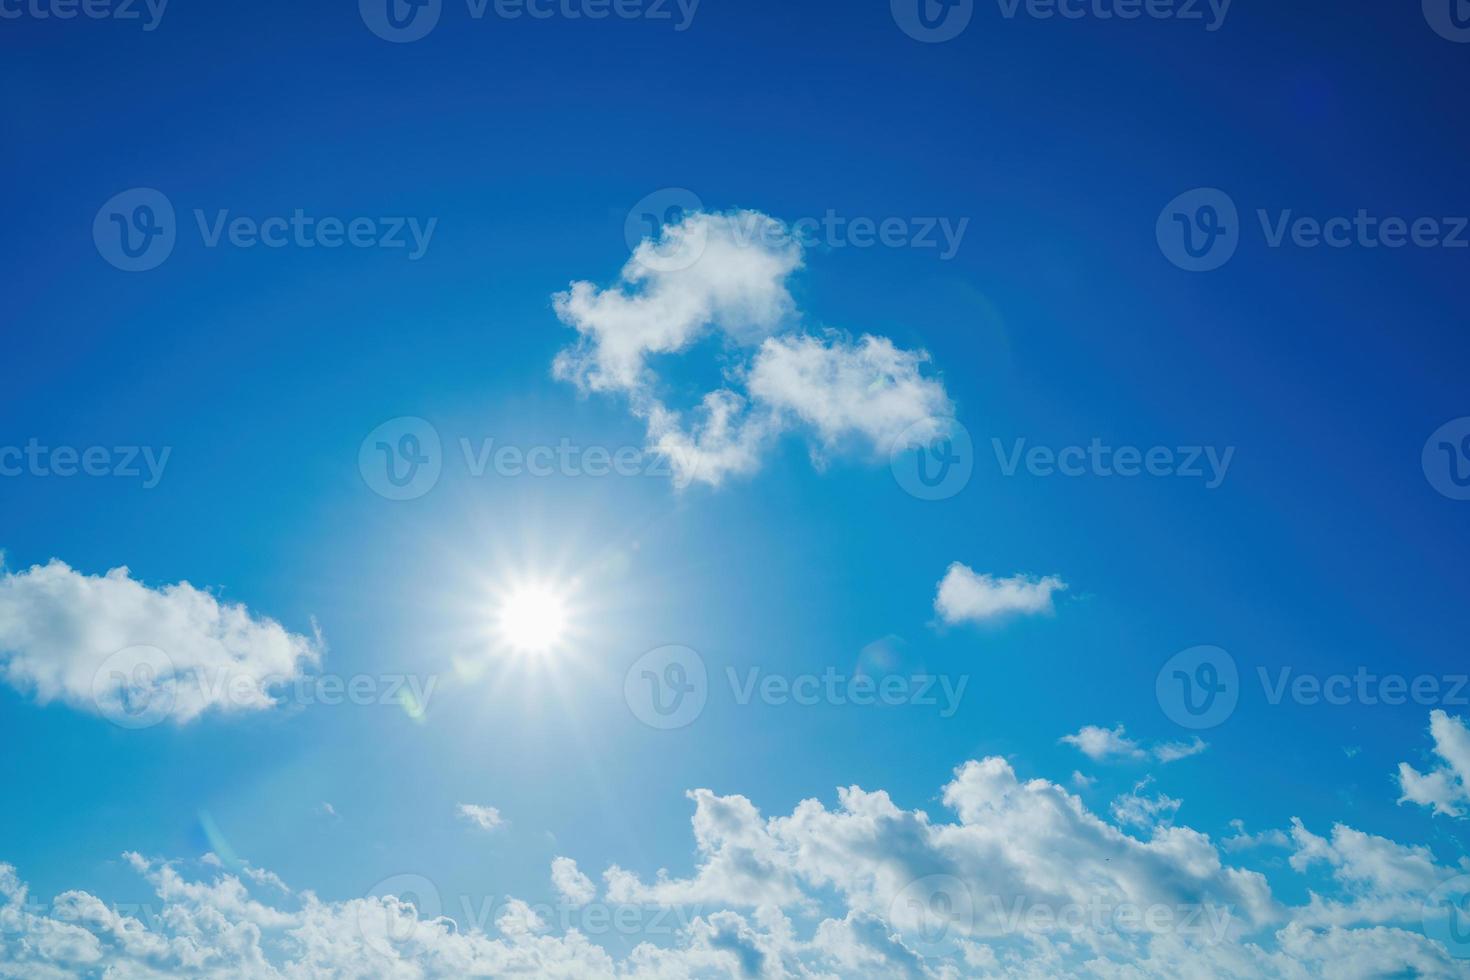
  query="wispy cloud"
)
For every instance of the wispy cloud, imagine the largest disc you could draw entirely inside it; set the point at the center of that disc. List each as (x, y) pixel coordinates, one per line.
(484, 817)
(1107, 744)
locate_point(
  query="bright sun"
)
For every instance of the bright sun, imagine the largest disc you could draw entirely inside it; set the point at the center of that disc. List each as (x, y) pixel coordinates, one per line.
(532, 619)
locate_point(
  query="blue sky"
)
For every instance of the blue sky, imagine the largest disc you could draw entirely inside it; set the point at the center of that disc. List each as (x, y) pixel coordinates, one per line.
(1035, 174)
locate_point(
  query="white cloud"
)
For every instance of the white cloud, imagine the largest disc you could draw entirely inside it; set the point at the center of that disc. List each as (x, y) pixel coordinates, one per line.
(870, 389)
(571, 884)
(1098, 743)
(965, 596)
(862, 393)
(1243, 841)
(1381, 881)
(1137, 809)
(110, 645)
(856, 890)
(1174, 751)
(735, 287)
(1445, 786)
(484, 817)
(740, 863)
(1105, 744)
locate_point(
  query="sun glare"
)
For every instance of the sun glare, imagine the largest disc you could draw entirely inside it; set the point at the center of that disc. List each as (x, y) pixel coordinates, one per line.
(532, 619)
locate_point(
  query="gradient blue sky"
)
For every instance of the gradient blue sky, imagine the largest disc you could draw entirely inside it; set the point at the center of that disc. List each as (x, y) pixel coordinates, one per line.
(1057, 321)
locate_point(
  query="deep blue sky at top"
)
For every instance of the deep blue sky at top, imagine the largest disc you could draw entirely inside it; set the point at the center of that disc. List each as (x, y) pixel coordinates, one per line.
(1059, 320)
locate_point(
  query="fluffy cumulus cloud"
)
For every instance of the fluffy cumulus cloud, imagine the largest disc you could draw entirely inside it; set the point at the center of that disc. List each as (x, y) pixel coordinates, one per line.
(1111, 744)
(966, 596)
(1446, 786)
(1017, 879)
(575, 888)
(111, 645)
(723, 277)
